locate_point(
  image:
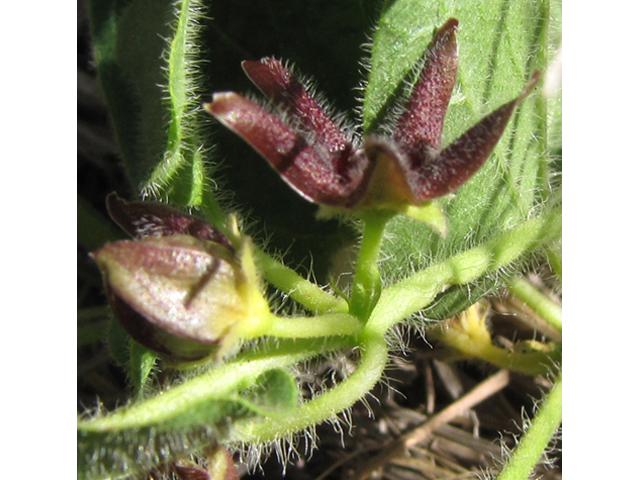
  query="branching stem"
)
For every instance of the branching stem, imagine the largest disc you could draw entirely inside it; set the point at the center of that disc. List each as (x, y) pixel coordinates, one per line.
(414, 293)
(373, 348)
(217, 383)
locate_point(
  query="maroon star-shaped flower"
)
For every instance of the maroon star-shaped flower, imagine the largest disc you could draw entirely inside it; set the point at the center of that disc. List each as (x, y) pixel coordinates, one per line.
(322, 163)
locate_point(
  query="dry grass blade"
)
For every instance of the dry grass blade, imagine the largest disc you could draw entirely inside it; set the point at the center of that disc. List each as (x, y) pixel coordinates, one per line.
(481, 392)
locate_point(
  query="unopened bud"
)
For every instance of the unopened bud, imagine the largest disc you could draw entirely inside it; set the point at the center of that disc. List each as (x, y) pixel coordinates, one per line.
(183, 296)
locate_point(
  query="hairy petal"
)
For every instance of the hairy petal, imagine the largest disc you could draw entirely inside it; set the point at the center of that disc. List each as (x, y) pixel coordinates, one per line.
(146, 219)
(464, 157)
(307, 169)
(277, 83)
(420, 126)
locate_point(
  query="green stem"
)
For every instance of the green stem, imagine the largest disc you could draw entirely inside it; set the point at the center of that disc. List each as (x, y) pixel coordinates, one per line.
(213, 212)
(300, 289)
(310, 327)
(412, 294)
(468, 337)
(530, 363)
(537, 301)
(215, 384)
(535, 440)
(555, 260)
(180, 69)
(374, 352)
(367, 285)
(181, 175)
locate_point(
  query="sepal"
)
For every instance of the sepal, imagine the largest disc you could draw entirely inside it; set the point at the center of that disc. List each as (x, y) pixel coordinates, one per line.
(182, 296)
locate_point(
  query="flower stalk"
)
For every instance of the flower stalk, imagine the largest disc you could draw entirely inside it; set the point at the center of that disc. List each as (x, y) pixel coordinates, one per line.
(367, 285)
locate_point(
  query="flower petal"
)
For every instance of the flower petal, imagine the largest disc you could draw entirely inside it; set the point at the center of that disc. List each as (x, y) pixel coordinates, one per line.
(147, 219)
(464, 157)
(419, 128)
(178, 349)
(277, 83)
(177, 283)
(310, 172)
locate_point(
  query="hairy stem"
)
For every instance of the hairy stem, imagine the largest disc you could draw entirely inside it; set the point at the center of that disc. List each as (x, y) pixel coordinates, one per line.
(319, 326)
(367, 285)
(373, 349)
(217, 383)
(412, 294)
(537, 301)
(300, 289)
(535, 440)
(182, 174)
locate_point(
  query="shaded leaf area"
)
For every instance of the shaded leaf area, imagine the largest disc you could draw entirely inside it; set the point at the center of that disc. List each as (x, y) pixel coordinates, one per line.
(129, 41)
(500, 45)
(165, 137)
(105, 452)
(304, 34)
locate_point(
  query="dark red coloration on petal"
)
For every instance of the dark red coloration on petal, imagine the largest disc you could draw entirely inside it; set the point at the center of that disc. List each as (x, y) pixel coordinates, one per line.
(308, 169)
(277, 83)
(146, 219)
(191, 472)
(419, 129)
(315, 157)
(464, 157)
(151, 336)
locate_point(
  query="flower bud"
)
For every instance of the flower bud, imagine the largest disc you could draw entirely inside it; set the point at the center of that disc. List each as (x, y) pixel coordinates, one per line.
(183, 296)
(148, 219)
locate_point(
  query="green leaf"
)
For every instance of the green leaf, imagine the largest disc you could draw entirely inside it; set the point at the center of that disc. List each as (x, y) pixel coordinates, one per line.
(192, 415)
(472, 266)
(148, 58)
(275, 393)
(128, 39)
(141, 363)
(403, 33)
(120, 454)
(94, 230)
(500, 45)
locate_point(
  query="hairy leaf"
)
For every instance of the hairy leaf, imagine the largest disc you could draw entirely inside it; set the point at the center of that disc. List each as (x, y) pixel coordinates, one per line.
(148, 59)
(500, 46)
